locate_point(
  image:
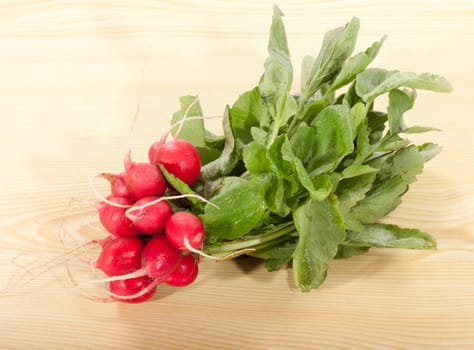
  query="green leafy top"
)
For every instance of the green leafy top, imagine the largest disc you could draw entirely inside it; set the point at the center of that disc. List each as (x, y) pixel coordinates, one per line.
(306, 177)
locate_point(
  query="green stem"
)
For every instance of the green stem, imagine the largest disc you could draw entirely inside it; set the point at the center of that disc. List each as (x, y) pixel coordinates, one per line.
(298, 115)
(257, 240)
(277, 122)
(271, 243)
(255, 248)
(327, 93)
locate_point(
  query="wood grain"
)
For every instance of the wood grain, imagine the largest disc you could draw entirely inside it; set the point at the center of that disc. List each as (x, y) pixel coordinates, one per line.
(70, 80)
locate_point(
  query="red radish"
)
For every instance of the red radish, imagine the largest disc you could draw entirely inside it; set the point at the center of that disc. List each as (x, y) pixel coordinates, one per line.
(185, 230)
(185, 273)
(153, 151)
(131, 287)
(103, 241)
(160, 257)
(143, 179)
(117, 184)
(113, 217)
(120, 256)
(179, 157)
(151, 219)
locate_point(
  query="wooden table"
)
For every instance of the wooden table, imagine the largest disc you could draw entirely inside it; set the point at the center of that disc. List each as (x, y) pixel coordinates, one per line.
(70, 78)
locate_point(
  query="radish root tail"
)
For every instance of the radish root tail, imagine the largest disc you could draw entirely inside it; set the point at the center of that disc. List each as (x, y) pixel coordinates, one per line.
(100, 196)
(179, 123)
(147, 289)
(129, 212)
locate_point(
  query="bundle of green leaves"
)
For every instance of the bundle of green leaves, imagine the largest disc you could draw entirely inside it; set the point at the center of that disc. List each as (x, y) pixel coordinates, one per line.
(305, 178)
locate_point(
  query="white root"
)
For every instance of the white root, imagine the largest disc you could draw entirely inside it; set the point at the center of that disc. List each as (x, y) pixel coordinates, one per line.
(144, 291)
(129, 145)
(185, 118)
(138, 273)
(137, 110)
(101, 197)
(22, 279)
(186, 113)
(131, 216)
(29, 271)
(131, 208)
(180, 123)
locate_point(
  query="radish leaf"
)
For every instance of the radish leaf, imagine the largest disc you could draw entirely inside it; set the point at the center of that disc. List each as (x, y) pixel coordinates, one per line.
(390, 236)
(321, 230)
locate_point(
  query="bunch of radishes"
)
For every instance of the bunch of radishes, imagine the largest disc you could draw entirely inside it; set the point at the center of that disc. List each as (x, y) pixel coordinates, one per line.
(148, 243)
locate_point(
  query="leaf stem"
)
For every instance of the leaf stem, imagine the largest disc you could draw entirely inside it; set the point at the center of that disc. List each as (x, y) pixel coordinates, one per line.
(299, 110)
(243, 243)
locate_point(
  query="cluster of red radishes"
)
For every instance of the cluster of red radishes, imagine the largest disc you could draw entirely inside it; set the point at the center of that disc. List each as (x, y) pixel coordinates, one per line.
(148, 243)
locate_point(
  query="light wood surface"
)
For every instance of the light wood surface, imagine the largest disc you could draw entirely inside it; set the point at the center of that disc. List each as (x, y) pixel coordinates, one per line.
(70, 79)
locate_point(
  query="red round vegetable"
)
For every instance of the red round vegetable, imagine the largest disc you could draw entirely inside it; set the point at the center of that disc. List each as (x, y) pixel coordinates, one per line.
(153, 152)
(102, 241)
(120, 256)
(180, 158)
(132, 286)
(151, 219)
(160, 257)
(113, 218)
(184, 228)
(185, 274)
(117, 184)
(143, 180)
